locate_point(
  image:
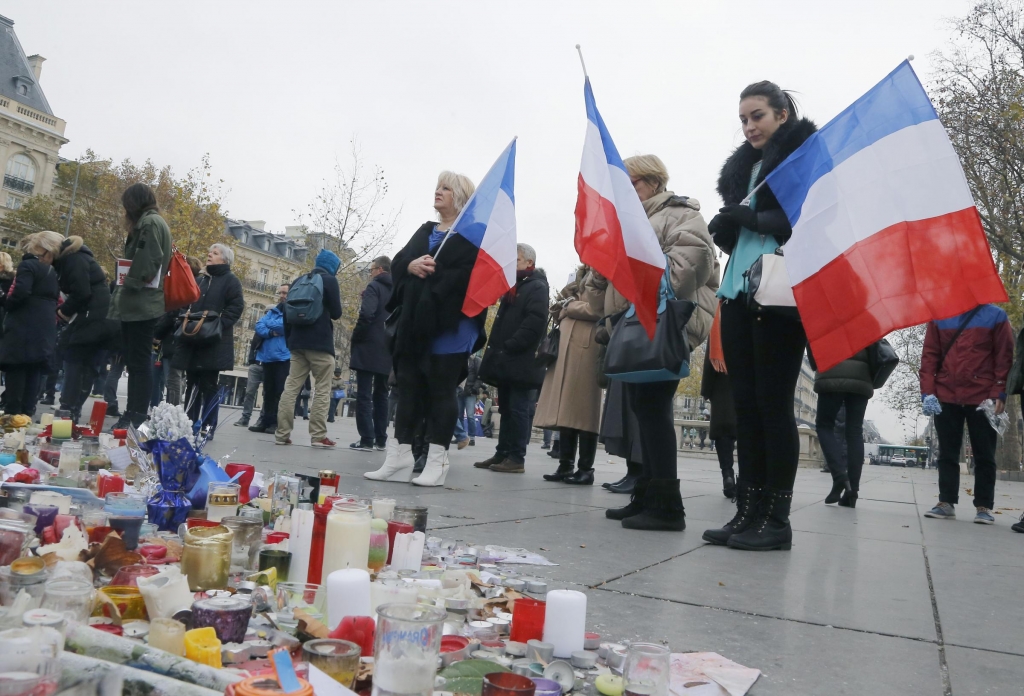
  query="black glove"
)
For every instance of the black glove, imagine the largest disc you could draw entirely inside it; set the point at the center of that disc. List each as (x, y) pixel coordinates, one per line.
(744, 215)
(724, 230)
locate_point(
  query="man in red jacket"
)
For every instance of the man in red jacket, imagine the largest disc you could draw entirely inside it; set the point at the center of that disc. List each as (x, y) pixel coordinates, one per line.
(964, 362)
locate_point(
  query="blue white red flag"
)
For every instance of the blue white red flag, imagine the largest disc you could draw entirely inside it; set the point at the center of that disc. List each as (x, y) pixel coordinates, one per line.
(885, 231)
(488, 220)
(613, 235)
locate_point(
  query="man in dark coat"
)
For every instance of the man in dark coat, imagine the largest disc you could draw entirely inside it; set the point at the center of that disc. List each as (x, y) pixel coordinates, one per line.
(312, 353)
(371, 359)
(510, 361)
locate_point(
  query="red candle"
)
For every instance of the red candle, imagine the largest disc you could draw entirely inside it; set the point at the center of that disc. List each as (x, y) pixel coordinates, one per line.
(395, 528)
(276, 537)
(63, 522)
(245, 480)
(110, 484)
(316, 547)
(357, 629)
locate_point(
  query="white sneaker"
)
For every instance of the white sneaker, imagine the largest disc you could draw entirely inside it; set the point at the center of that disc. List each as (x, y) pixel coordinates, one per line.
(436, 469)
(398, 464)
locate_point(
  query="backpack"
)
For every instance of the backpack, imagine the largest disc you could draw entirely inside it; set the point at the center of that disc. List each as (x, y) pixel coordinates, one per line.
(305, 302)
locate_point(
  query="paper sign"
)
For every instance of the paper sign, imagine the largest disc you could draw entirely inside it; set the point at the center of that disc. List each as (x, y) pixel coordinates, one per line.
(123, 265)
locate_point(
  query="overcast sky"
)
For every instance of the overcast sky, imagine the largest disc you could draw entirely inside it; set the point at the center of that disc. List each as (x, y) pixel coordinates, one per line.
(274, 91)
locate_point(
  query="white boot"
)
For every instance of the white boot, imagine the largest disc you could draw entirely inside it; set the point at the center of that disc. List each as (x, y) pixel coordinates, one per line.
(398, 463)
(436, 469)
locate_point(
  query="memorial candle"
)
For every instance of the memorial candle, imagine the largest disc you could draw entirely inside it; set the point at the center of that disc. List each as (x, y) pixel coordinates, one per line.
(301, 541)
(565, 621)
(348, 594)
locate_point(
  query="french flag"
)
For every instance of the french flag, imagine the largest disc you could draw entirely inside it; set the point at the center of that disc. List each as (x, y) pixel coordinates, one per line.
(613, 235)
(488, 220)
(885, 231)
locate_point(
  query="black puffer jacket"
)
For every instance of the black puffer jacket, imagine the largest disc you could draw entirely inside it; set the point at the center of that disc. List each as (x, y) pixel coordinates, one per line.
(369, 351)
(519, 327)
(851, 376)
(86, 296)
(30, 327)
(221, 292)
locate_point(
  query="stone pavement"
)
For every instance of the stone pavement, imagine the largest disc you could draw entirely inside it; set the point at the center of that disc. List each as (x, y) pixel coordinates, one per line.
(876, 600)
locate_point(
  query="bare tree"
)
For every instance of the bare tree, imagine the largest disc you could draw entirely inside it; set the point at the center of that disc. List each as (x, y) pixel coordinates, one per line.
(903, 390)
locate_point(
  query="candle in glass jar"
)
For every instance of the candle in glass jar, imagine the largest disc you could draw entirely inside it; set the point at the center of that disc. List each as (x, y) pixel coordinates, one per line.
(70, 453)
(167, 634)
(383, 508)
(206, 557)
(347, 540)
(221, 500)
(328, 484)
(378, 545)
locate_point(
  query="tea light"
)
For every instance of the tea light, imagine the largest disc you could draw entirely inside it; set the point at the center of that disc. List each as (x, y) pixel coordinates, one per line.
(501, 625)
(565, 621)
(591, 641)
(348, 594)
(536, 587)
(539, 651)
(515, 649)
(584, 659)
(515, 585)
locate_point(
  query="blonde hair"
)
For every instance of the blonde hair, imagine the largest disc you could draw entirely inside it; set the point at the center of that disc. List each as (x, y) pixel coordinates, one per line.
(6, 262)
(650, 168)
(39, 243)
(462, 188)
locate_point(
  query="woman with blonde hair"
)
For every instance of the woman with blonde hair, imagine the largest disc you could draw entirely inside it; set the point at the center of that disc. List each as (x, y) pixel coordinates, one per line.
(30, 327)
(434, 339)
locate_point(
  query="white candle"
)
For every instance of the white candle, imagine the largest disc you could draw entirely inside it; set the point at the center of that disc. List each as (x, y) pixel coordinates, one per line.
(408, 552)
(391, 594)
(565, 621)
(348, 594)
(299, 544)
(347, 540)
(383, 508)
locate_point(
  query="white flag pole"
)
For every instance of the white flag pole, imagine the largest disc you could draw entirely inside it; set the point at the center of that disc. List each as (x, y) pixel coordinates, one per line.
(578, 50)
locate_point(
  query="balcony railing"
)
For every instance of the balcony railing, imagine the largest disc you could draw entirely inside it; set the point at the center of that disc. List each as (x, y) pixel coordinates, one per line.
(259, 286)
(16, 183)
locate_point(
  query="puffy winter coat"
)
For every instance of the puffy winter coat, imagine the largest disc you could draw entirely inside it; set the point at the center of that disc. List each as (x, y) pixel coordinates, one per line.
(86, 296)
(693, 268)
(369, 350)
(976, 366)
(221, 292)
(30, 327)
(270, 328)
(511, 354)
(852, 376)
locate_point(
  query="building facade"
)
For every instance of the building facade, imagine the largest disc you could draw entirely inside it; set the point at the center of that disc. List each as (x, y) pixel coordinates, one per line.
(30, 135)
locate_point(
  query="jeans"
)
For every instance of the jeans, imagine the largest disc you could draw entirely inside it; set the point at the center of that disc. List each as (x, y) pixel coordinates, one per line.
(467, 412)
(372, 407)
(547, 437)
(275, 375)
(764, 352)
(79, 374)
(21, 392)
(333, 410)
(252, 387)
(460, 430)
(949, 426)
(651, 402)
(304, 363)
(113, 379)
(201, 393)
(426, 388)
(849, 467)
(515, 404)
(136, 348)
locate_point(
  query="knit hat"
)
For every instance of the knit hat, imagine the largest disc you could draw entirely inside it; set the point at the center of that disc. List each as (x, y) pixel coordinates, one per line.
(328, 261)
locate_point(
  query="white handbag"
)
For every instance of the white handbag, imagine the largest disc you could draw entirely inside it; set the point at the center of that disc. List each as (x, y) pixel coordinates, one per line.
(768, 286)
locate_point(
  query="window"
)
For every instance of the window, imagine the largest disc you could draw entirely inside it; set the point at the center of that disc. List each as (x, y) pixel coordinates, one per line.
(264, 273)
(13, 202)
(20, 174)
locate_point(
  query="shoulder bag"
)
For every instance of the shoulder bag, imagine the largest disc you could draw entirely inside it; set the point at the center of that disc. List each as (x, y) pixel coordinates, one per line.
(199, 328)
(882, 360)
(180, 288)
(547, 352)
(769, 288)
(632, 357)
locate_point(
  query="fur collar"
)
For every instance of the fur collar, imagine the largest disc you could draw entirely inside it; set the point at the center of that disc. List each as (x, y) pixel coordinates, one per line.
(735, 176)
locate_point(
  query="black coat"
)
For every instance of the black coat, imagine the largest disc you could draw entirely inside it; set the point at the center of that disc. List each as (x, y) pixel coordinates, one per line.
(369, 351)
(473, 385)
(432, 305)
(30, 327)
(852, 376)
(164, 332)
(716, 387)
(519, 327)
(219, 292)
(6, 281)
(319, 335)
(86, 296)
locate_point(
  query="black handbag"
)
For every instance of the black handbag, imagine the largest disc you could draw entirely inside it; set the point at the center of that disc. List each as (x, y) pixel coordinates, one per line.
(547, 352)
(199, 328)
(882, 360)
(632, 357)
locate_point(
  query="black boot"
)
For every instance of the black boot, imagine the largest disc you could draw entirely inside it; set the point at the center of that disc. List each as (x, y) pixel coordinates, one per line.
(729, 485)
(747, 499)
(138, 419)
(242, 423)
(849, 499)
(122, 422)
(627, 485)
(663, 508)
(840, 486)
(583, 477)
(606, 484)
(259, 427)
(771, 529)
(564, 470)
(636, 504)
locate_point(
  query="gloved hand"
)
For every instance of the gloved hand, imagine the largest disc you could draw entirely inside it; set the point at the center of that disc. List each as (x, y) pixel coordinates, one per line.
(724, 230)
(930, 405)
(743, 215)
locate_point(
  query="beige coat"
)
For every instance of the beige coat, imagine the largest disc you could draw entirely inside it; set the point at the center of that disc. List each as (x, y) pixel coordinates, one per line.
(691, 254)
(571, 397)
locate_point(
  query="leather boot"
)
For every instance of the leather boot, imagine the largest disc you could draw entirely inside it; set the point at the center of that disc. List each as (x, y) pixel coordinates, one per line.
(663, 508)
(259, 427)
(770, 530)
(636, 503)
(627, 485)
(747, 499)
(436, 469)
(564, 470)
(398, 464)
(583, 477)
(608, 484)
(848, 499)
(840, 485)
(729, 485)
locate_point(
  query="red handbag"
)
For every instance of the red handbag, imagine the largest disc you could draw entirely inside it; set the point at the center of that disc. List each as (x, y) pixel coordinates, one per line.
(180, 289)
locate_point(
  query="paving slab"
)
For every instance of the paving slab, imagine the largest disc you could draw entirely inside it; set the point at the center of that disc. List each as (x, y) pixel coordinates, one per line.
(871, 519)
(983, 673)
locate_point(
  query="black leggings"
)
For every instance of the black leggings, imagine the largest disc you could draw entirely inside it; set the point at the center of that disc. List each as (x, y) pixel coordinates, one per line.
(426, 389)
(763, 353)
(652, 404)
(724, 447)
(829, 404)
(137, 350)
(568, 438)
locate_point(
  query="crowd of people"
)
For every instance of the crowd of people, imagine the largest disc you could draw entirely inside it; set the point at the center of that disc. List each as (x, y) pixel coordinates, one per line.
(422, 364)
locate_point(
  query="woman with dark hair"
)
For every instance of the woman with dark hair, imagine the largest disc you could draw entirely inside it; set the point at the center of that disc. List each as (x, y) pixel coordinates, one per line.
(220, 291)
(87, 330)
(763, 351)
(30, 327)
(138, 300)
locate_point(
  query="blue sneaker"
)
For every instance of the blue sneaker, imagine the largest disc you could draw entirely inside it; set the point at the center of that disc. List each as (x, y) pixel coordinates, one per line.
(984, 516)
(942, 511)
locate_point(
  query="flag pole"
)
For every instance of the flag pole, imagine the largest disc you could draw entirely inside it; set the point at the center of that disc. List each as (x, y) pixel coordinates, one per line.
(580, 51)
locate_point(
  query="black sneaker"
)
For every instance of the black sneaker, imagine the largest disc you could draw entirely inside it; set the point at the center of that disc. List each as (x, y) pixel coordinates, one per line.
(122, 423)
(242, 423)
(1019, 526)
(47, 401)
(360, 447)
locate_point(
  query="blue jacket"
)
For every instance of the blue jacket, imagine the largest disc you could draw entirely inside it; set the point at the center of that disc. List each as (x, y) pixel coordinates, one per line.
(271, 328)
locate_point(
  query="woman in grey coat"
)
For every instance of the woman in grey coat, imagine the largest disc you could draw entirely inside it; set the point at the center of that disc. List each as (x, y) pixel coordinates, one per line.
(849, 383)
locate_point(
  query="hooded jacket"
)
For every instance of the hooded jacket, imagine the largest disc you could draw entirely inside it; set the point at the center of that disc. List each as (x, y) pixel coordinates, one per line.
(511, 354)
(86, 296)
(30, 327)
(369, 350)
(319, 335)
(270, 328)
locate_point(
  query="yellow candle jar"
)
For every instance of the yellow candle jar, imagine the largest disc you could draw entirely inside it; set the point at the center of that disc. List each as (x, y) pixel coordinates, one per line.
(206, 558)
